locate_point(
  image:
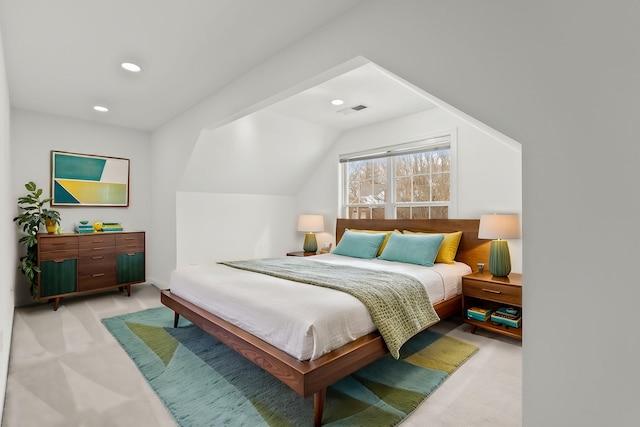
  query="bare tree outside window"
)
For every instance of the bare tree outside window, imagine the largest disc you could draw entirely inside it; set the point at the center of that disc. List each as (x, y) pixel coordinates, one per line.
(416, 185)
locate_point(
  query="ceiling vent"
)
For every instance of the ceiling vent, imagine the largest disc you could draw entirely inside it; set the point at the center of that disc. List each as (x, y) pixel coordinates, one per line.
(353, 109)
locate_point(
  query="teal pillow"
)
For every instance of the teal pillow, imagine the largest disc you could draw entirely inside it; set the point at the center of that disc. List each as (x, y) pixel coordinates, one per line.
(418, 249)
(359, 245)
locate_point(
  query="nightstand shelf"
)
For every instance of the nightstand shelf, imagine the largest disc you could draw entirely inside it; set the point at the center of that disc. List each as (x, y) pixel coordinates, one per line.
(488, 291)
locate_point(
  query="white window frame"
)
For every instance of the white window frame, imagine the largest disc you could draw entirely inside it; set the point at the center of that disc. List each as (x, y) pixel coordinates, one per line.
(431, 141)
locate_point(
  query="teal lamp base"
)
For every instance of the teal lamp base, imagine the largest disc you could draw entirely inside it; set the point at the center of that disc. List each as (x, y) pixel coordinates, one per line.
(310, 243)
(499, 258)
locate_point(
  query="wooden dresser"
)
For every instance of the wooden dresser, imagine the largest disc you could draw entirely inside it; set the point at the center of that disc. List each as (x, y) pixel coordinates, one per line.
(73, 264)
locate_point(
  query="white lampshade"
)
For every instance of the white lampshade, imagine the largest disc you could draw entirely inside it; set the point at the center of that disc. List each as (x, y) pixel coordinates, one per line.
(499, 226)
(311, 223)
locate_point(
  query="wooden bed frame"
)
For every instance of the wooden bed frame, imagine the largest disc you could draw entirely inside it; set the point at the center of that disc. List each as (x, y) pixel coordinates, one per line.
(313, 377)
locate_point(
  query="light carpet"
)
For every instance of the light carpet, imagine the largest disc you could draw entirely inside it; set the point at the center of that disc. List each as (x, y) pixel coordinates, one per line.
(204, 383)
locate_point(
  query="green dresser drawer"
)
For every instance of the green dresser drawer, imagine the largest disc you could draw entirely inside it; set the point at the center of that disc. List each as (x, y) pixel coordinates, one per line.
(58, 277)
(131, 268)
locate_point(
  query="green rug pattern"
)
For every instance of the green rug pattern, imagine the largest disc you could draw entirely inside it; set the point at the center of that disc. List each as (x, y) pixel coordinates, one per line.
(204, 383)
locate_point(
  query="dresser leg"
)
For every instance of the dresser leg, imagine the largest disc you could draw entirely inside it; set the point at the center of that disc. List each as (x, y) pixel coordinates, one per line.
(56, 303)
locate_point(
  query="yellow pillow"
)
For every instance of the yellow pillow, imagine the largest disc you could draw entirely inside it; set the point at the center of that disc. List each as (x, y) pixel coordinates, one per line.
(384, 242)
(448, 248)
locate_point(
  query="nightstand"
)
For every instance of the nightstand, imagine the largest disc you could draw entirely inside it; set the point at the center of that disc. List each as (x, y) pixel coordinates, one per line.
(488, 291)
(300, 253)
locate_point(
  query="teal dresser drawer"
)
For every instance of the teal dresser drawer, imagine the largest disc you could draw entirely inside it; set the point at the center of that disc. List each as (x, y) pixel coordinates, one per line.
(58, 277)
(131, 268)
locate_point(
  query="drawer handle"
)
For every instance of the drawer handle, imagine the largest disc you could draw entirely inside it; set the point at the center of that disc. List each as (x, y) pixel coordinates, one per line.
(59, 243)
(60, 250)
(57, 261)
(97, 241)
(129, 238)
(98, 249)
(98, 257)
(131, 254)
(97, 275)
(493, 291)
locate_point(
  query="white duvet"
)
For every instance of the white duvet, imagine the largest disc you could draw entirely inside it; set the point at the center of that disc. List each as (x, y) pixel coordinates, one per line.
(303, 320)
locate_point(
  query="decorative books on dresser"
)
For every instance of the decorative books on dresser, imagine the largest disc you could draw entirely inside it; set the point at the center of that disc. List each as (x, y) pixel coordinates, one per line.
(83, 227)
(111, 226)
(73, 264)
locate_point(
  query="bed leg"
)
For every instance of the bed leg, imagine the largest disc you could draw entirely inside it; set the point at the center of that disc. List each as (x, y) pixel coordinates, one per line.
(318, 406)
(176, 317)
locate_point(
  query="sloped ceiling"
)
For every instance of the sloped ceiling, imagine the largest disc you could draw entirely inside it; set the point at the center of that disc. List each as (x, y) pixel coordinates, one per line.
(63, 56)
(274, 150)
(263, 153)
(383, 94)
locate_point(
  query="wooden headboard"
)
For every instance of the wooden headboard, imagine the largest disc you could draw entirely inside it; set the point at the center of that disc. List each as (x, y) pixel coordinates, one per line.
(470, 251)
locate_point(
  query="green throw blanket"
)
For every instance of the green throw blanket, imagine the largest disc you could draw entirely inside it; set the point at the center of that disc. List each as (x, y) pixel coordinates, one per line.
(398, 303)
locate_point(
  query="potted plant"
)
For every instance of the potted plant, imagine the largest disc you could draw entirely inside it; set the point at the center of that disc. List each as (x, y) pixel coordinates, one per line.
(33, 216)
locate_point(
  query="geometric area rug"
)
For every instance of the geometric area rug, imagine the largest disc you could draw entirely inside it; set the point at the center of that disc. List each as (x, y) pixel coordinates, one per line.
(204, 383)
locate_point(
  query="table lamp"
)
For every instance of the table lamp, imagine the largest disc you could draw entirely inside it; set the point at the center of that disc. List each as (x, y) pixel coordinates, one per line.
(310, 224)
(499, 227)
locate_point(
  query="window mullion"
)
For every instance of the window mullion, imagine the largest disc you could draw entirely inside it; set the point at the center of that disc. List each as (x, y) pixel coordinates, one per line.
(390, 207)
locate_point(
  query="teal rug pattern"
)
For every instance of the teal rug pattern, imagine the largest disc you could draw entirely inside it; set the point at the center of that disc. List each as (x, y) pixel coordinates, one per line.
(204, 383)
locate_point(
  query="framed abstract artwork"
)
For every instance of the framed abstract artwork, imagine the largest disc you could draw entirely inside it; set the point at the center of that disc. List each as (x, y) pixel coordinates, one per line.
(88, 180)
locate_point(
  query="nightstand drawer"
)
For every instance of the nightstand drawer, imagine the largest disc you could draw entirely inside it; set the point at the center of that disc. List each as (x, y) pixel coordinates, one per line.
(504, 293)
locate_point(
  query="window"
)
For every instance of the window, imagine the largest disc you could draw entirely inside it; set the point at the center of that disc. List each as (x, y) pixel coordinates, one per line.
(406, 181)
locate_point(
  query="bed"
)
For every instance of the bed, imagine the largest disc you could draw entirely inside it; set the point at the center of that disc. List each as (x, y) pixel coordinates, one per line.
(311, 374)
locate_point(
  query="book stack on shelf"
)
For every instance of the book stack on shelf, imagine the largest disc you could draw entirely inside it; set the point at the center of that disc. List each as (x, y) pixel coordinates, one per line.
(84, 227)
(111, 226)
(507, 316)
(479, 313)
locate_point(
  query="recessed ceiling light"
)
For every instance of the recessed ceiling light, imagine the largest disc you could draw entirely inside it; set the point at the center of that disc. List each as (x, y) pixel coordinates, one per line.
(337, 102)
(130, 66)
(100, 108)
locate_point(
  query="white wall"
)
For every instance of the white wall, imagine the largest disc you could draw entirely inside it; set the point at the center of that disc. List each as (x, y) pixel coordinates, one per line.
(262, 153)
(242, 179)
(559, 78)
(229, 227)
(34, 135)
(8, 264)
(489, 169)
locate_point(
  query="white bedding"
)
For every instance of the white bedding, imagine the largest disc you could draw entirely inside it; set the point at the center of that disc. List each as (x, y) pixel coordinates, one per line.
(303, 320)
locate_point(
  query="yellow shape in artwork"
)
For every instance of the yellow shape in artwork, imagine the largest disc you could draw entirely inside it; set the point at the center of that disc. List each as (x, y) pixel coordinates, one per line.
(92, 192)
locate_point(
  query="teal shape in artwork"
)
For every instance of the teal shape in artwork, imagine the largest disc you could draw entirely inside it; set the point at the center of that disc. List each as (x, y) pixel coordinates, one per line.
(61, 195)
(78, 167)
